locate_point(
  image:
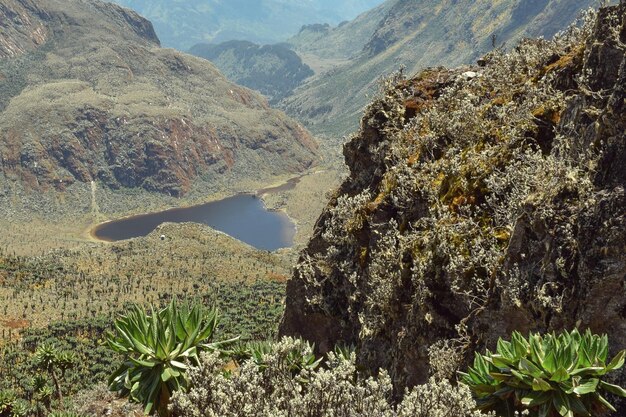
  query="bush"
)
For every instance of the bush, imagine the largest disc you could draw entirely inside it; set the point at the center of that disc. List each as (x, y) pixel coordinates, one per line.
(271, 386)
(547, 375)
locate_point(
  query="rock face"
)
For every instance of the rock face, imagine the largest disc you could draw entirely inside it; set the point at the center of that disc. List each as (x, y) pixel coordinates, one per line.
(480, 201)
(22, 27)
(87, 94)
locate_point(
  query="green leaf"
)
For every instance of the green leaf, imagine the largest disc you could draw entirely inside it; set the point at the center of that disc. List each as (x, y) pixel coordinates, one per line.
(560, 375)
(144, 363)
(604, 402)
(578, 407)
(504, 349)
(534, 399)
(592, 370)
(562, 405)
(540, 384)
(500, 361)
(549, 363)
(179, 365)
(529, 368)
(587, 387)
(169, 373)
(617, 362)
(613, 389)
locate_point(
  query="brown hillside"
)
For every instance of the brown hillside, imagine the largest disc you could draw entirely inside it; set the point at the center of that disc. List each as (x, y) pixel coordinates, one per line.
(87, 94)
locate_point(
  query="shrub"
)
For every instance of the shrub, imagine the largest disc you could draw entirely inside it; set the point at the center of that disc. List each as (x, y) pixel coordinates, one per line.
(7, 398)
(52, 360)
(547, 375)
(158, 350)
(272, 387)
(11, 406)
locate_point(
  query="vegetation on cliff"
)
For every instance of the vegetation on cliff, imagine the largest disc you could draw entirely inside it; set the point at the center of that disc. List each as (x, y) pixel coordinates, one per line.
(480, 200)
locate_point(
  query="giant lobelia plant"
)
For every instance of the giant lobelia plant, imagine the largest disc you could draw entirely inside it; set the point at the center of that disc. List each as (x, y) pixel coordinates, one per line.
(550, 376)
(158, 349)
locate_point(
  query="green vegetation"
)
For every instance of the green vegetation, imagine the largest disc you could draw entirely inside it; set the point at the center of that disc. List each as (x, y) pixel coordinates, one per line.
(21, 363)
(49, 359)
(99, 280)
(551, 375)
(251, 310)
(158, 350)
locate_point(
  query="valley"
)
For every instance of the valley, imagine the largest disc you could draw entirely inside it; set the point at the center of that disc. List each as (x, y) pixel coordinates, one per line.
(368, 193)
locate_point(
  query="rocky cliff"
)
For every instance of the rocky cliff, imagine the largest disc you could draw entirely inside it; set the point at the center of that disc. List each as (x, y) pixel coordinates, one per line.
(22, 28)
(87, 94)
(480, 200)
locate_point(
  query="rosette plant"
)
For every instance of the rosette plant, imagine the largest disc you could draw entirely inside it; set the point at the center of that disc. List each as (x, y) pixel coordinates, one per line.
(158, 349)
(550, 376)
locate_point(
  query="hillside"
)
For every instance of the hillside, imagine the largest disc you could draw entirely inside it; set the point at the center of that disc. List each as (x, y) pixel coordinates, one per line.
(412, 34)
(88, 100)
(480, 200)
(344, 41)
(216, 21)
(273, 70)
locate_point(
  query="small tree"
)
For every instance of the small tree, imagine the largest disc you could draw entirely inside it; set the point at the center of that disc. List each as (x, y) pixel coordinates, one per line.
(55, 362)
(158, 349)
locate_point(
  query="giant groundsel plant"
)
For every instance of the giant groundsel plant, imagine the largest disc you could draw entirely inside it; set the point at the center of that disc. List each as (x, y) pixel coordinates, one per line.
(158, 349)
(550, 376)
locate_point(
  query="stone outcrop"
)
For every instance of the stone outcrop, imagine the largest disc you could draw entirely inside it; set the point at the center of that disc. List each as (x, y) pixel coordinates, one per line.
(480, 201)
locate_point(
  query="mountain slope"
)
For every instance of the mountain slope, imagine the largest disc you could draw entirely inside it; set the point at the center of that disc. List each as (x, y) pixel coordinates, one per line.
(260, 21)
(273, 70)
(480, 200)
(414, 34)
(340, 42)
(87, 94)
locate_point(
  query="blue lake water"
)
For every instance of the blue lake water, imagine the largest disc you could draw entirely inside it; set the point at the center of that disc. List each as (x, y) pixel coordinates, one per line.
(243, 217)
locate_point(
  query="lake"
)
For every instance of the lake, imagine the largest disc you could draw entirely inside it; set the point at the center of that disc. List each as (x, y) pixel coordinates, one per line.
(242, 216)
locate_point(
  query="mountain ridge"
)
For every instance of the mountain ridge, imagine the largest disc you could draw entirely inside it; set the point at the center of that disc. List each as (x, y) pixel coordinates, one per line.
(265, 21)
(273, 70)
(99, 100)
(413, 35)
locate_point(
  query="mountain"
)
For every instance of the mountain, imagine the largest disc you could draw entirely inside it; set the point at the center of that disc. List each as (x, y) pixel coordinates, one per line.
(273, 70)
(413, 34)
(181, 24)
(88, 95)
(480, 200)
(344, 41)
